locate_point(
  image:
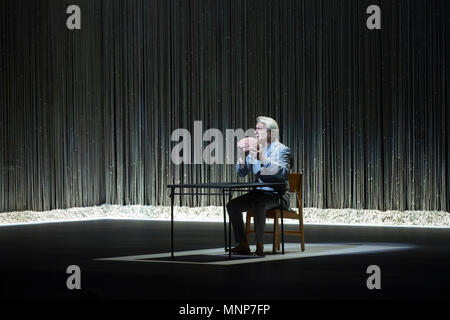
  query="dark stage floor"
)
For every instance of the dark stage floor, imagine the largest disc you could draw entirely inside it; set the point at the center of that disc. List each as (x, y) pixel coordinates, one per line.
(34, 260)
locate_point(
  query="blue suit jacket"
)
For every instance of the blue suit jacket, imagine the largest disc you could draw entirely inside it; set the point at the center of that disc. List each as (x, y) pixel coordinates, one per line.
(275, 169)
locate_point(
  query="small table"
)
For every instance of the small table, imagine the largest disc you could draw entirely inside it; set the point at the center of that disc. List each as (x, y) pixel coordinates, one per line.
(225, 188)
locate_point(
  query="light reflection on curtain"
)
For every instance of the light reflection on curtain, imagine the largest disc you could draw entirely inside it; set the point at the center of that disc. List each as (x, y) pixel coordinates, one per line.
(86, 116)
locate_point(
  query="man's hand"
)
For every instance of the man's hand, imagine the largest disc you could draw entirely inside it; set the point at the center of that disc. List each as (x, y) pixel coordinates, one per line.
(253, 152)
(256, 153)
(244, 146)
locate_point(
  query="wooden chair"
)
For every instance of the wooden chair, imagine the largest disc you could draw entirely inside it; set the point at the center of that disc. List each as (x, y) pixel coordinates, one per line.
(295, 186)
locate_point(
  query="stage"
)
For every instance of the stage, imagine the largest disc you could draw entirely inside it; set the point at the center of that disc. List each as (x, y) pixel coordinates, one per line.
(130, 259)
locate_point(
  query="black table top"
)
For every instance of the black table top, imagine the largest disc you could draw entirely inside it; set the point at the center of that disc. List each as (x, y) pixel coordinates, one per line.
(227, 185)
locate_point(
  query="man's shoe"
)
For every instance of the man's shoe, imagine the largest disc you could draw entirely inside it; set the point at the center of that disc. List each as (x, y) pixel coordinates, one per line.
(241, 248)
(259, 249)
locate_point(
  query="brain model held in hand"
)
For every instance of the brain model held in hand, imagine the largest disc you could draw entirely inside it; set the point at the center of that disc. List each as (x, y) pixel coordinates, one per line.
(246, 143)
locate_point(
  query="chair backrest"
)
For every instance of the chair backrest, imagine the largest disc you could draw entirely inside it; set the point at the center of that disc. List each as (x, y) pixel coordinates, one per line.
(295, 186)
(295, 182)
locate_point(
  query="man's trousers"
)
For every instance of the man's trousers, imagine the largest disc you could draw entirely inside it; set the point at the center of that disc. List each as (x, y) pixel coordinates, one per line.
(260, 202)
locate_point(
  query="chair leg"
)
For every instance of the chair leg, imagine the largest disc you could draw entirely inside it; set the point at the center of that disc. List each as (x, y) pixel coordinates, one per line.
(278, 237)
(274, 238)
(302, 237)
(247, 225)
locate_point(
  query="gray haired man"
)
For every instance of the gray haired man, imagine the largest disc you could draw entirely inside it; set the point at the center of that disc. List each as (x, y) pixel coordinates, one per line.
(270, 161)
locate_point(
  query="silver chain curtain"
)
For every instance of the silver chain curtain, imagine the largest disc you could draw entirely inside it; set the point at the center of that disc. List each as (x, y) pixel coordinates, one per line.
(86, 115)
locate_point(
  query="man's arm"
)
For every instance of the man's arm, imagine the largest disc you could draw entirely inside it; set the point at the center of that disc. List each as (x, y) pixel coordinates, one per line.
(277, 166)
(242, 166)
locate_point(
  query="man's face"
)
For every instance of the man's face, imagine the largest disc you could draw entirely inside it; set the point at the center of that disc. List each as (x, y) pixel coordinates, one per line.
(261, 133)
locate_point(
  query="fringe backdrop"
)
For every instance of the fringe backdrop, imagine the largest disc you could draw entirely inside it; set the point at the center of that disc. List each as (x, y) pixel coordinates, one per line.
(86, 115)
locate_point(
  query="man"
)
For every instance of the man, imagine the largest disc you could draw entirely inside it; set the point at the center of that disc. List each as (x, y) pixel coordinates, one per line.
(270, 161)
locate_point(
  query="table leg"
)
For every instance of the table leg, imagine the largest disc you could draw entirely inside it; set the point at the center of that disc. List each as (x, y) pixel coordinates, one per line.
(172, 198)
(224, 219)
(229, 227)
(274, 240)
(282, 223)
